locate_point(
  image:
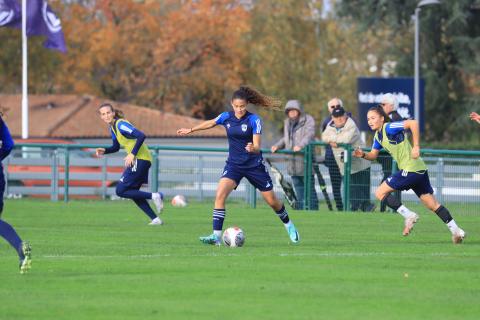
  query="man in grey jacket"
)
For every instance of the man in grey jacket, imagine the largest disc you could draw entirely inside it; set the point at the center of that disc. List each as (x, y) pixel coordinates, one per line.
(299, 131)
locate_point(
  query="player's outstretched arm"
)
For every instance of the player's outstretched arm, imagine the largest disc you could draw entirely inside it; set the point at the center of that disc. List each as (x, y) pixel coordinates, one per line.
(100, 151)
(202, 126)
(372, 155)
(475, 117)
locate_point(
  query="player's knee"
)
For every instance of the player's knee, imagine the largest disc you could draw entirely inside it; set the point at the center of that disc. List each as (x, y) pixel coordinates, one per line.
(220, 197)
(120, 190)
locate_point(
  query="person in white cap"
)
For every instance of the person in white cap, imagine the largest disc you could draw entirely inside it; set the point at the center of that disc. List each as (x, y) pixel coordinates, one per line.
(390, 106)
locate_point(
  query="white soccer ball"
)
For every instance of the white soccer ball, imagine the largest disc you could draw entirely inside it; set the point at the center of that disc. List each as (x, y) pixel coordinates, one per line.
(233, 237)
(179, 201)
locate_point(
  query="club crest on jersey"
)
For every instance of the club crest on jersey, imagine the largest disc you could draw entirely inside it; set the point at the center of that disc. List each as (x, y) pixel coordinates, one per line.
(228, 125)
(244, 127)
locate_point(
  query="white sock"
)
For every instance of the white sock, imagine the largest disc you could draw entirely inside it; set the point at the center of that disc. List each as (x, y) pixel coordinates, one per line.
(288, 224)
(155, 195)
(218, 233)
(404, 211)
(452, 225)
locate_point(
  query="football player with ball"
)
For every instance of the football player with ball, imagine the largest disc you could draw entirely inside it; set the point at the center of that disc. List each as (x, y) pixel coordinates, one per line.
(245, 159)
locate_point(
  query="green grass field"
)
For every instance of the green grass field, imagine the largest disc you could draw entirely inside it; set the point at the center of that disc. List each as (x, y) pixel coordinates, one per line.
(100, 260)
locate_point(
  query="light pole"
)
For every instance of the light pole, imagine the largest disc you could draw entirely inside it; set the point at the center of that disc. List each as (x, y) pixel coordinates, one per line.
(416, 88)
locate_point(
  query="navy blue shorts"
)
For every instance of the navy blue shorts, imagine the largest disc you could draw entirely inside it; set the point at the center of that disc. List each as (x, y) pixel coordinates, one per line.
(404, 180)
(136, 175)
(258, 176)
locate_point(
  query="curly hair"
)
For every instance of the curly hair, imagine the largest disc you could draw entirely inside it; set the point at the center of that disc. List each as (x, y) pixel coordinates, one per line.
(255, 97)
(118, 114)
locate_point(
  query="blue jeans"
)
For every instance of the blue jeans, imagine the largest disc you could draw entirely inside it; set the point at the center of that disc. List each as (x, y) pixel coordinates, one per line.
(298, 185)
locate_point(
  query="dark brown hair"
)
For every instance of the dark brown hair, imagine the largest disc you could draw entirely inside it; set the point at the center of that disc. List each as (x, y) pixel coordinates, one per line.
(3, 110)
(252, 96)
(118, 114)
(379, 109)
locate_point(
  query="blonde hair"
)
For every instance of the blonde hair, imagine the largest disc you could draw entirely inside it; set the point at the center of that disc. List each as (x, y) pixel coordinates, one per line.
(255, 97)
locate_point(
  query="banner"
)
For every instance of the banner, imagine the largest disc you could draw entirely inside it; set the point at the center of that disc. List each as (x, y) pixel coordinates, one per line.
(371, 90)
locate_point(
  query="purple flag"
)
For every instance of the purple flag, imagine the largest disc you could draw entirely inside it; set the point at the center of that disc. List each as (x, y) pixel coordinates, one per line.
(41, 21)
(10, 13)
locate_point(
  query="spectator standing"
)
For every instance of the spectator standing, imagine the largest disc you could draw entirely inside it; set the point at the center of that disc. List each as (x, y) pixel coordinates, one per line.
(342, 129)
(298, 131)
(330, 162)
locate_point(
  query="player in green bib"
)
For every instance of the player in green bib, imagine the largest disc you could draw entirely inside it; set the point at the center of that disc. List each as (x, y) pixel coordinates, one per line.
(137, 161)
(412, 172)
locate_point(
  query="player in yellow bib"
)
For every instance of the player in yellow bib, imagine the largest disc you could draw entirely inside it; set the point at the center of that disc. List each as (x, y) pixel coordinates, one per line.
(412, 172)
(137, 161)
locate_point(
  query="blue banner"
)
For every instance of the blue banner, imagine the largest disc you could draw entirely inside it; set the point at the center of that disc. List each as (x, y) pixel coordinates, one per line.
(371, 90)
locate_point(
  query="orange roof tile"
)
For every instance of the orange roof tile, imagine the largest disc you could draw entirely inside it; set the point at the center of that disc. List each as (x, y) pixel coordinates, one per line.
(73, 116)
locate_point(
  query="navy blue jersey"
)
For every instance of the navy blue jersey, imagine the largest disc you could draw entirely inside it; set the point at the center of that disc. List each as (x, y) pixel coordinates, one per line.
(6, 141)
(240, 132)
(395, 134)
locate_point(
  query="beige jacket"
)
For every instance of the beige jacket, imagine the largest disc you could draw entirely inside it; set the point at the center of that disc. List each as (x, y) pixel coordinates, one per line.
(348, 134)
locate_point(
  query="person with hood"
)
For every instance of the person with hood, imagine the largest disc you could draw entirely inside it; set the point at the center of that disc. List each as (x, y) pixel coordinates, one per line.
(298, 131)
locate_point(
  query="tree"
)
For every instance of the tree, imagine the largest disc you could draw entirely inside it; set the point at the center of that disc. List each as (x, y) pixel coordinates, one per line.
(295, 53)
(173, 55)
(449, 56)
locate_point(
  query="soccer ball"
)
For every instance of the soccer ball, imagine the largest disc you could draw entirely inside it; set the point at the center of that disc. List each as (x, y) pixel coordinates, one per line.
(233, 237)
(179, 201)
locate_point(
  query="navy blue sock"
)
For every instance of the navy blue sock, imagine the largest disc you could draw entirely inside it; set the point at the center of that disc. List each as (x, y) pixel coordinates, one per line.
(7, 232)
(444, 214)
(392, 201)
(143, 204)
(283, 214)
(218, 217)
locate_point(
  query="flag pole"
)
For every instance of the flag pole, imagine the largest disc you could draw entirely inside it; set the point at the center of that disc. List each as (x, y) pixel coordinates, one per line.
(24, 72)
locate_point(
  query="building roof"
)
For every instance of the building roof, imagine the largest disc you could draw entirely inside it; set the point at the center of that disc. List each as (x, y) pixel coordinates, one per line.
(74, 116)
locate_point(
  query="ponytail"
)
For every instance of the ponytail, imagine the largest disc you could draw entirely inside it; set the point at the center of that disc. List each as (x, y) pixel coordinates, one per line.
(117, 114)
(256, 98)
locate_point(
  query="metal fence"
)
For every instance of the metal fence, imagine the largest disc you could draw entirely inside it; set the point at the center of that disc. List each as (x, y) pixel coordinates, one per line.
(62, 171)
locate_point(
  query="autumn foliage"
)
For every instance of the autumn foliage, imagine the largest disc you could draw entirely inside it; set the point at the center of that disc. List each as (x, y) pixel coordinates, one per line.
(168, 55)
(187, 56)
